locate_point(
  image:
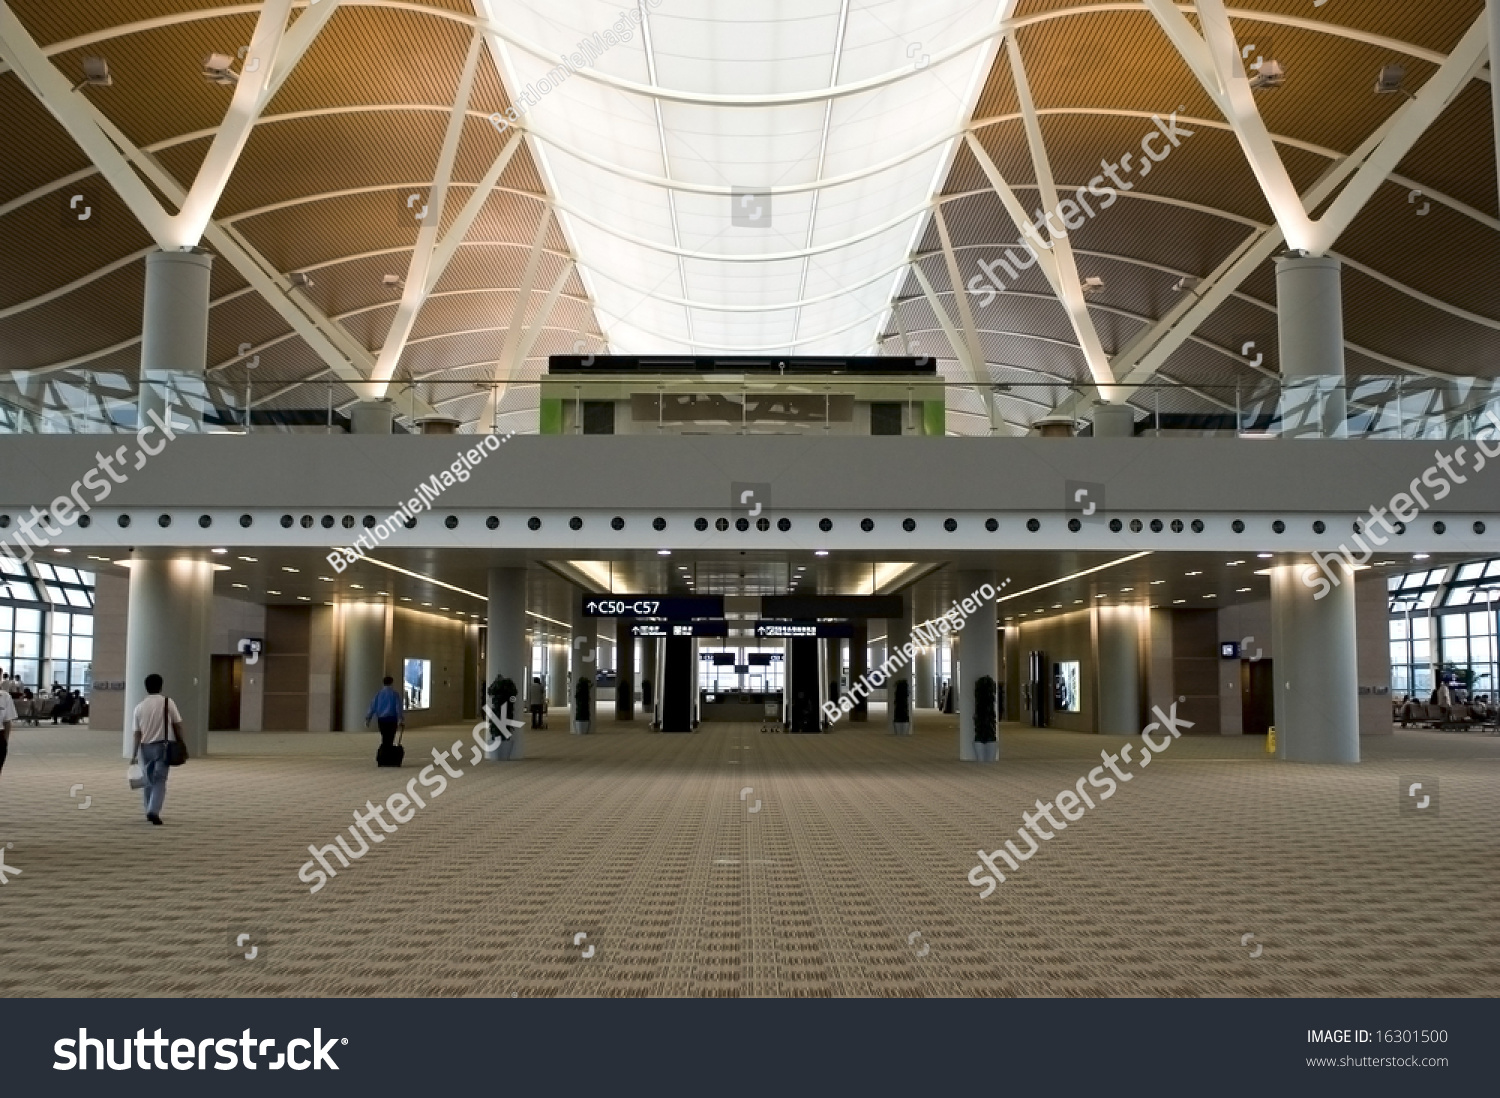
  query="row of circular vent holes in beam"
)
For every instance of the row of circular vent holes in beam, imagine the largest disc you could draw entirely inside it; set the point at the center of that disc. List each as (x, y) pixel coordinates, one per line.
(764, 524)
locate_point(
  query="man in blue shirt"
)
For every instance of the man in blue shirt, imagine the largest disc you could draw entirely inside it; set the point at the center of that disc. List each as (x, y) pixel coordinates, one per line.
(385, 710)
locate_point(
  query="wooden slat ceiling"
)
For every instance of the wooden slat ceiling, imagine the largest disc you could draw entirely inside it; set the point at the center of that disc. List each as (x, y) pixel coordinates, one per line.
(325, 178)
(1099, 70)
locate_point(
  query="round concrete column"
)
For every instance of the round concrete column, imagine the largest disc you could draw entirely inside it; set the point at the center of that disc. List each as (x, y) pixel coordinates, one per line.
(174, 337)
(1317, 674)
(898, 636)
(557, 674)
(1119, 670)
(977, 656)
(1310, 315)
(506, 649)
(372, 417)
(1114, 421)
(166, 633)
(364, 660)
(924, 693)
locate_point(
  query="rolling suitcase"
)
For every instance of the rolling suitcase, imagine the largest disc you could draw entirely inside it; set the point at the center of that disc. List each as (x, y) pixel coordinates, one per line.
(392, 755)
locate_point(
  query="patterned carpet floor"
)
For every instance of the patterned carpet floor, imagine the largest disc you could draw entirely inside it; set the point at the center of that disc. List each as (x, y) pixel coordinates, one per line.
(628, 863)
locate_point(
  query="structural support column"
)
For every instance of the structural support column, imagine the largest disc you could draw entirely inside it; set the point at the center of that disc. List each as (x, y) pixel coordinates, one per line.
(924, 693)
(976, 657)
(650, 679)
(1494, 13)
(1118, 641)
(859, 663)
(372, 417)
(166, 634)
(557, 675)
(1317, 671)
(174, 337)
(506, 650)
(1310, 312)
(364, 660)
(898, 636)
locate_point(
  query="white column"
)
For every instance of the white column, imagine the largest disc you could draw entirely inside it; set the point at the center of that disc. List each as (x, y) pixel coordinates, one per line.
(557, 675)
(506, 650)
(174, 336)
(167, 631)
(1310, 317)
(364, 660)
(1317, 676)
(978, 657)
(1494, 11)
(1119, 663)
(924, 694)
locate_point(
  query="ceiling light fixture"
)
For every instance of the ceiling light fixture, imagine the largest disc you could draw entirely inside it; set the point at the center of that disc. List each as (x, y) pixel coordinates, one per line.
(95, 74)
(1270, 77)
(1390, 80)
(218, 68)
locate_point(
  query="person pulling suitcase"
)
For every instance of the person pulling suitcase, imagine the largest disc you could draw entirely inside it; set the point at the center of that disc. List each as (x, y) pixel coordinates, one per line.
(386, 711)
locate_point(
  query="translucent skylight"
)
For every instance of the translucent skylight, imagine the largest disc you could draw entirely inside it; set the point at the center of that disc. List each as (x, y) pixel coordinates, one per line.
(744, 176)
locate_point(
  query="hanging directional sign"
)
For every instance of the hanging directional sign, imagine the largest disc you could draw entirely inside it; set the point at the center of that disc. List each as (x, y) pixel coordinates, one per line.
(675, 607)
(680, 629)
(804, 629)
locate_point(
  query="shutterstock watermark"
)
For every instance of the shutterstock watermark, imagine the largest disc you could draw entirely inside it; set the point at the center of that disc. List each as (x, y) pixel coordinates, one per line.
(69, 509)
(1073, 213)
(588, 51)
(1070, 801)
(929, 632)
(399, 805)
(1404, 507)
(85, 1053)
(421, 500)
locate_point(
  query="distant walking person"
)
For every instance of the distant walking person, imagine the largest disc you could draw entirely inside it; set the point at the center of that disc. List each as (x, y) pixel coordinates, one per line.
(536, 697)
(7, 718)
(385, 711)
(157, 721)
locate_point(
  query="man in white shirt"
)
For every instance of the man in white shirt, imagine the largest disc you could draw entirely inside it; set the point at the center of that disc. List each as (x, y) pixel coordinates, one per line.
(152, 718)
(7, 718)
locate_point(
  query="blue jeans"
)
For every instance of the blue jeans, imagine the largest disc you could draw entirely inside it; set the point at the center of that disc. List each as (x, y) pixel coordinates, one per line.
(154, 763)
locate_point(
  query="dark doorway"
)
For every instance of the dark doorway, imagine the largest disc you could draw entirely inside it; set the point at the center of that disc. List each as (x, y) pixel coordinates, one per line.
(598, 417)
(224, 675)
(803, 712)
(885, 418)
(679, 688)
(1257, 696)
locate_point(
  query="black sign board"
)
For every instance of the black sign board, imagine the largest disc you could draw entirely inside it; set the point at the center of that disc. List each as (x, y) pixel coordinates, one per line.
(803, 629)
(676, 607)
(680, 629)
(741, 364)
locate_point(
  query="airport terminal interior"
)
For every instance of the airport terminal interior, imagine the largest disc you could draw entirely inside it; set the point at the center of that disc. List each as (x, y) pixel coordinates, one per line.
(852, 498)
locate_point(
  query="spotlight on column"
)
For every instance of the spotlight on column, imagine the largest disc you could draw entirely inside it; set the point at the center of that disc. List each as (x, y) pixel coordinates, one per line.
(1390, 80)
(302, 280)
(1187, 282)
(218, 68)
(1093, 285)
(393, 282)
(95, 74)
(1270, 77)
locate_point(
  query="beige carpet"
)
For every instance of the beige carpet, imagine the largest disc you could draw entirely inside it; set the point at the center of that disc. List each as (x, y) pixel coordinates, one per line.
(849, 880)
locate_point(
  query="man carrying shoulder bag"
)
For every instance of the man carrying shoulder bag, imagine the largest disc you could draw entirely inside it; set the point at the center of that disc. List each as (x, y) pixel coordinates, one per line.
(158, 744)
